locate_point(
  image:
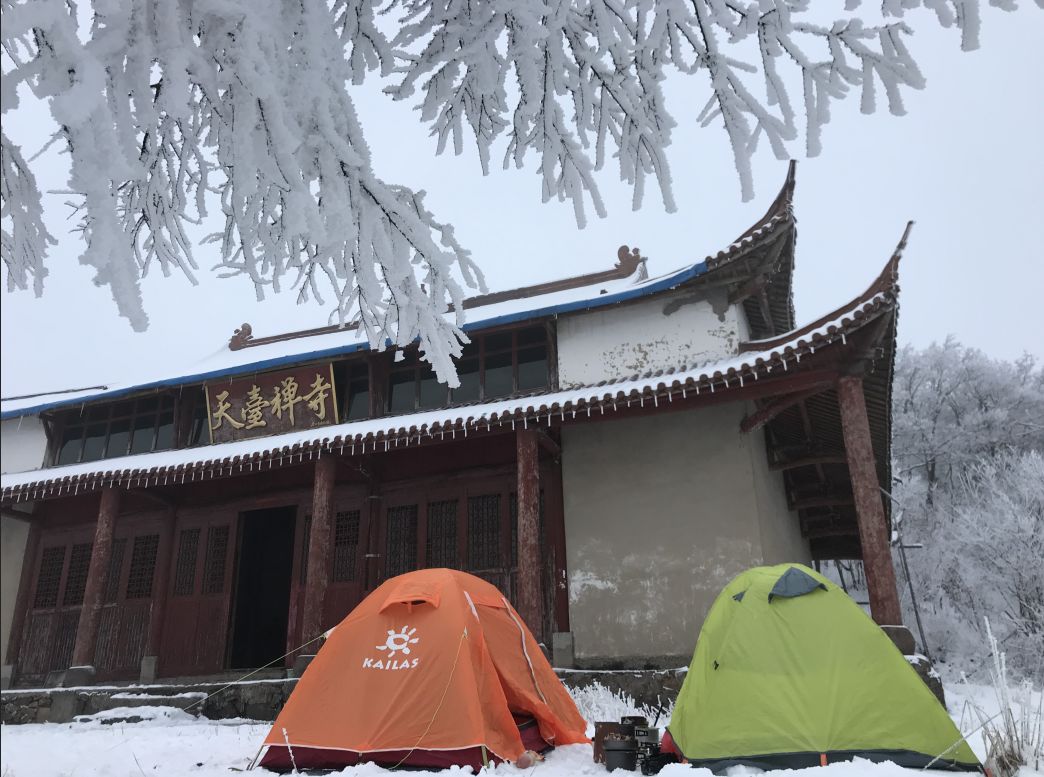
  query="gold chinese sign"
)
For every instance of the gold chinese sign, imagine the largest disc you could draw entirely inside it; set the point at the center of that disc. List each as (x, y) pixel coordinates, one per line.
(274, 403)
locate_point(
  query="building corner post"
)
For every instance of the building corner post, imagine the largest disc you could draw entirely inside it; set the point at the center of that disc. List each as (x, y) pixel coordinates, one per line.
(317, 573)
(97, 572)
(528, 597)
(870, 514)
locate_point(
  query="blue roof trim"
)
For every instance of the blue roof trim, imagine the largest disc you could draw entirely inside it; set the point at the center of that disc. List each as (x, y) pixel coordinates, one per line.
(664, 284)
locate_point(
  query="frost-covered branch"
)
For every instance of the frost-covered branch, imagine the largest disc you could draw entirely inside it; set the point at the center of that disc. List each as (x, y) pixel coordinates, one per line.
(170, 107)
(605, 61)
(164, 106)
(25, 243)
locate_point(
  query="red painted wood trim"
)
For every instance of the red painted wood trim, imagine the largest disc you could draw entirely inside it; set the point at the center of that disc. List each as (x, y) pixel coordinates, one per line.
(87, 628)
(873, 527)
(628, 261)
(528, 599)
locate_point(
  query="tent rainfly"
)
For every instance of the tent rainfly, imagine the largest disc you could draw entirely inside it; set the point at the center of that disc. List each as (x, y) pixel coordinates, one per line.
(433, 669)
(789, 672)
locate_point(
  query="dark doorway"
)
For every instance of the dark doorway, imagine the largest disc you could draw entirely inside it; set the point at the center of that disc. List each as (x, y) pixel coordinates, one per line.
(264, 569)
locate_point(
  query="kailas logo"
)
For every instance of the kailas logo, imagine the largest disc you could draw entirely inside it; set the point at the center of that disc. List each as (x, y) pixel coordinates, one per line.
(399, 641)
(396, 642)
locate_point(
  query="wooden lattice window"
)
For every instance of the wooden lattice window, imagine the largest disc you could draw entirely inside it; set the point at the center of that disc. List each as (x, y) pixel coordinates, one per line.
(49, 578)
(185, 567)
(402, 540)
(442, 534)
(142, 566)
(346, 545)
(484, 532)
(112, 577)
(214, 566)
(307, 538)
(76, 579)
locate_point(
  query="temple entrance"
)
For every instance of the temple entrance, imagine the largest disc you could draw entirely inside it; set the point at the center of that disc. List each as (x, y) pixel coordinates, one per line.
(262, 593)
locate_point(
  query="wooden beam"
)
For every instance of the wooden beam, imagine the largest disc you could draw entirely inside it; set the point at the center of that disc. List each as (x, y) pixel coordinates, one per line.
(832, 531)
(763, 415)
(766, 309)
(528, 598)
(823, 501)
(755, 285)
(807, 461)
(549, 445)
(873, 526)
(152, 495)
(317, 573)
(97, 572)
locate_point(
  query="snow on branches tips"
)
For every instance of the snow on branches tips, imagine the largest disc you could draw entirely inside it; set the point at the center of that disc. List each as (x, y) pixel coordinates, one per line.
(170, 107)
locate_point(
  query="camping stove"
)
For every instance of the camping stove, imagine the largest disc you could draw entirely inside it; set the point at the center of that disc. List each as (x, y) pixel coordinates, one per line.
(648, 739)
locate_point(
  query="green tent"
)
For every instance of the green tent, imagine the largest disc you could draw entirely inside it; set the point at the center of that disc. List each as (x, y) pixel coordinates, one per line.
(789, 672)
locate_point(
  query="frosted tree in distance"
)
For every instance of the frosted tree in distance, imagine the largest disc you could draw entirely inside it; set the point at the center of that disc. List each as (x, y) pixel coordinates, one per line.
(168, 107)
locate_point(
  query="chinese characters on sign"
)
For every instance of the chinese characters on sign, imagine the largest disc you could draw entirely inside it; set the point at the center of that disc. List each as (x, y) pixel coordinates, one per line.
(271, 404)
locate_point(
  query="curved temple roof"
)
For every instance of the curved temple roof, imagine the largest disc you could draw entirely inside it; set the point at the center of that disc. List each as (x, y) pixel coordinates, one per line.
(248, 355)
(757, 360)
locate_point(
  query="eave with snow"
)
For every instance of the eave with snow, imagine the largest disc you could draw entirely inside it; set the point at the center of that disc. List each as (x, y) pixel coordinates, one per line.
(651, 437)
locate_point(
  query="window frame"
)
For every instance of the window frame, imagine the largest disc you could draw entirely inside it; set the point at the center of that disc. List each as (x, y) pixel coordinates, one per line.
(479, 341)
(63, 422)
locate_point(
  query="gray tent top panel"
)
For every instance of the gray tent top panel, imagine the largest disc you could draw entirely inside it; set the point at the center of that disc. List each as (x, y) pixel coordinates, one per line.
(793, 583)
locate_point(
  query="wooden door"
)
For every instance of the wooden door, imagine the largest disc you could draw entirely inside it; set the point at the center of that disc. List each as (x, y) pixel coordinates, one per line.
(55, 600)
(344, 588)
(123, 624)
(196, 632)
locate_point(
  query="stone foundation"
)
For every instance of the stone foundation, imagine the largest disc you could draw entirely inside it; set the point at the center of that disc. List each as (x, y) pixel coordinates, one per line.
(262, 700)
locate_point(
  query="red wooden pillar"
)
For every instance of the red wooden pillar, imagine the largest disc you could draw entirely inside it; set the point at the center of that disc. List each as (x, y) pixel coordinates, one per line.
(528, 598)
(873, 527)
(317, 574)
(97, 571)
(160, 589)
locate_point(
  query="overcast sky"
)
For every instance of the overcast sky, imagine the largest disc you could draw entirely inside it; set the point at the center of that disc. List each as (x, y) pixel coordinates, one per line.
(966, 164)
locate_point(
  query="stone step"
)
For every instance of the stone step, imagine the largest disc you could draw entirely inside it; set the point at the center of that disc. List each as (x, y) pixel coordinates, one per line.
(136, 712)
(184, 700)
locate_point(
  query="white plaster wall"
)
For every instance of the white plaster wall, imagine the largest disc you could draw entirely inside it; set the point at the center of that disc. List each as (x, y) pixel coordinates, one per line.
(661, 511)
(672, 330)
(13, 534)
(23, 444)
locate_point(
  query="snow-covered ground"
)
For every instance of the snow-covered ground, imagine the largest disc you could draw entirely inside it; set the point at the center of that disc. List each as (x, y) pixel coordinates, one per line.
(175, 744)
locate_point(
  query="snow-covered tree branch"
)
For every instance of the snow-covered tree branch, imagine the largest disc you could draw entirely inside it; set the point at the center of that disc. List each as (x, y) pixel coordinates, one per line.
(170, 107)
(968, 440)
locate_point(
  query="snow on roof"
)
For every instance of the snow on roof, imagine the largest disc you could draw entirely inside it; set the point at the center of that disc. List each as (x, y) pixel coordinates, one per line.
(226, 362)
(382, 434)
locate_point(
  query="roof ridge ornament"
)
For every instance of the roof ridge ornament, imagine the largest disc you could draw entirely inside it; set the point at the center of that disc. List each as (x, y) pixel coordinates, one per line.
(241, 337)
(630, 261)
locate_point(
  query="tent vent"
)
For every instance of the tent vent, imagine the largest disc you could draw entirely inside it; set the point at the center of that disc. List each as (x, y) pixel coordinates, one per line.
(793, 583)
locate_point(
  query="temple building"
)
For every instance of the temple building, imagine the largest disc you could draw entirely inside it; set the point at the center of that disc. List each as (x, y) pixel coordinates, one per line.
(619, 447)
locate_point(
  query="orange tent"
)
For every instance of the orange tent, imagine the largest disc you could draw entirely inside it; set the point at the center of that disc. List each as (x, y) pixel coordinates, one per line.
(433, 668)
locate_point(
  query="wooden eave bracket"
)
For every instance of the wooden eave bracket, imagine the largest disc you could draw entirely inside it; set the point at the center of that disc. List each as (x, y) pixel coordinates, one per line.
(811, 460)
(766, 413)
